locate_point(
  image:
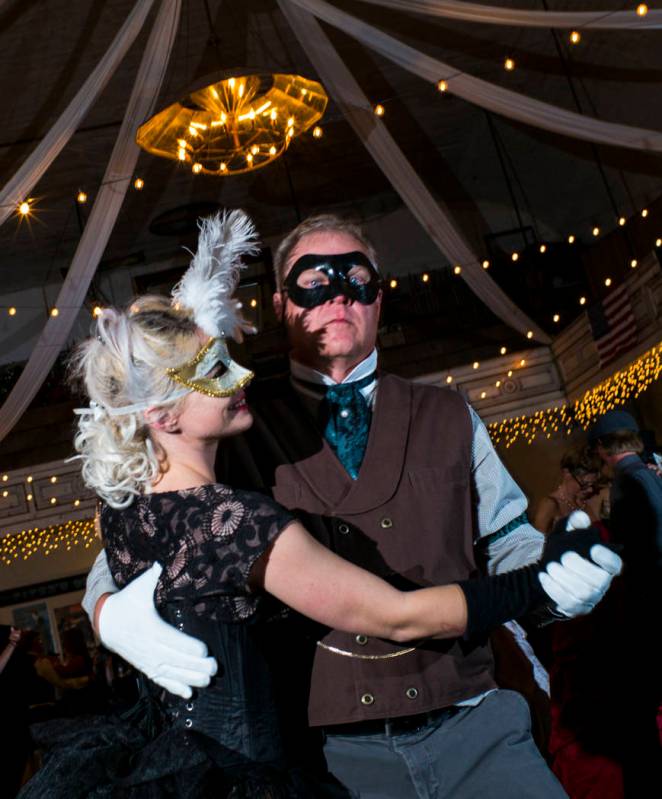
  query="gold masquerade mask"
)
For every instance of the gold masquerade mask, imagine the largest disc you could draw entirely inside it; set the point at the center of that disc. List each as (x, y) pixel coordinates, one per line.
(212, 371)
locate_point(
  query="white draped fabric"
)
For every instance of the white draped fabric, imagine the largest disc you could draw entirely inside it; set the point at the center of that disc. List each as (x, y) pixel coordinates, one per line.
(102, 218)
(434, 219)
(496, 15)
(483, 94)
(28, 175)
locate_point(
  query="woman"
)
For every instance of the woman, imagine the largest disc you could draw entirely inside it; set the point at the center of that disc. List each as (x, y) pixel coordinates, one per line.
(580, 475)
(163, 392)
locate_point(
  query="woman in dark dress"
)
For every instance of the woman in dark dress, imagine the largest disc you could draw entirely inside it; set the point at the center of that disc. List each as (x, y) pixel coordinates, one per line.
(163, 392)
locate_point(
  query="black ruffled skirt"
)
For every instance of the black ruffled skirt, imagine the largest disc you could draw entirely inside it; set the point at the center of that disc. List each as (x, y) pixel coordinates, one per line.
(138, 755)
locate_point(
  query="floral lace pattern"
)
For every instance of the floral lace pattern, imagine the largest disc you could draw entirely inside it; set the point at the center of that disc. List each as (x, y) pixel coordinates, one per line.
(207, 539)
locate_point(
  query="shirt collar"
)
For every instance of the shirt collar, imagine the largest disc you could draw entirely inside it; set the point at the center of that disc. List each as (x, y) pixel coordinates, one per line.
(307, 373)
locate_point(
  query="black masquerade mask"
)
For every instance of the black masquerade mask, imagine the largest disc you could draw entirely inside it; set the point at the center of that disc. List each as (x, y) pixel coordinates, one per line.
(316, 279)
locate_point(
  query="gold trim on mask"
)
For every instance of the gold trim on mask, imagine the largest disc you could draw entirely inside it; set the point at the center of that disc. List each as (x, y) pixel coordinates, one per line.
(193, 373)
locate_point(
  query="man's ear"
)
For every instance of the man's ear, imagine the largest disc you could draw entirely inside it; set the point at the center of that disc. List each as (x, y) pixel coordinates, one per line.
(279, 305)
(161, 419)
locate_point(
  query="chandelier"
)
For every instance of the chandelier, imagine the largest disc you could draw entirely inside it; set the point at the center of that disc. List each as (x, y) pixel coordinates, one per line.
(234, 125)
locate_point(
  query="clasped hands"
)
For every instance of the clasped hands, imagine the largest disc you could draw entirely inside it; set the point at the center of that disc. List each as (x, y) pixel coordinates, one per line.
(576, 580)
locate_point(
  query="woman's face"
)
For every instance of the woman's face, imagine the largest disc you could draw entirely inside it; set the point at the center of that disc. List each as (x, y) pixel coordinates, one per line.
(587, 484)
(210, 418)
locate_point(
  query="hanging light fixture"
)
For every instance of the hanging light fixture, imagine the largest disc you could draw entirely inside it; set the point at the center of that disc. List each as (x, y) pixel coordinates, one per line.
(236, 124)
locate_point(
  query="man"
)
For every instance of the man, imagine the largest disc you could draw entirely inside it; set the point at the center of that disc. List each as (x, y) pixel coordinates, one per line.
(402, 479)
(635, 523)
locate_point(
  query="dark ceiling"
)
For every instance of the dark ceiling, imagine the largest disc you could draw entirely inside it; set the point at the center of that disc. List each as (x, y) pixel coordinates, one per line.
(495, 176)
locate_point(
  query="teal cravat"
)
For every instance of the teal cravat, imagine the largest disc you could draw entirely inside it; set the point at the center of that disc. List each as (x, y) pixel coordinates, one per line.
(347, 425)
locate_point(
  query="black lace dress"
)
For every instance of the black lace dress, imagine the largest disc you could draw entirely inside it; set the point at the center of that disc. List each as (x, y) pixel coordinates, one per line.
(233, 739)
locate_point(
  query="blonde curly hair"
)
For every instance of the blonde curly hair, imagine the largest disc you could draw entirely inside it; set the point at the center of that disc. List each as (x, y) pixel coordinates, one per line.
(123, 371)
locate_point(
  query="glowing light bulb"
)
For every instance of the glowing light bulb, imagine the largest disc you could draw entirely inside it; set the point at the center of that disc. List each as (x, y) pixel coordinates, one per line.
(96, 310)
(596, 231)
(442, 86)
(633, 263)
(522, 362)
(253, 303)
(621, 220)
(425, 277)
(503, 350)
(81, 197)
(658, 242)
(181, 154)
(393, 284)
(223, 167)
(575, 37)
(29, 478)
(571, 238)
(55, 312)
(379, 110)
(483, 394)
(76, 503)
(54, 479)
(509, 64)
(582, 300)
(514, 256)
(249, 158)
(642, 10)
(476, 364)
(138, 184)
(457, 269)
(543, 248)
(11, 311)
(510, 373)
(529, 333)
(486, 264)
(556, 318)
(24, 208)
(317, 132)
(449, 378)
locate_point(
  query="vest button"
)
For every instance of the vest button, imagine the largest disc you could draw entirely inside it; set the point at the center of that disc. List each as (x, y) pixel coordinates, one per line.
(188, 723)
(362, 640)
(343, 528)
(344, 413)
(367, 699)
(411, 693)
(386, 522)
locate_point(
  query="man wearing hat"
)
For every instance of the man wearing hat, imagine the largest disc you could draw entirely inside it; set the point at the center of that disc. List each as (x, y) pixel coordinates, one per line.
(636, 525)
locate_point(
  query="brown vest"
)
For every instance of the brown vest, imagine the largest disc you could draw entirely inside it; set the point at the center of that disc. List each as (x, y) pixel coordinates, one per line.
(408, 518)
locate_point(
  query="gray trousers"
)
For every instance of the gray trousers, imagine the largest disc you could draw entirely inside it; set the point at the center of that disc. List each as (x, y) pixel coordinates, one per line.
(482, 752)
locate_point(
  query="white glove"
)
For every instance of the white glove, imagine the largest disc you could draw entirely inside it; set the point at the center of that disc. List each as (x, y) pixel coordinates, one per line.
(130, 626)
(577, 584)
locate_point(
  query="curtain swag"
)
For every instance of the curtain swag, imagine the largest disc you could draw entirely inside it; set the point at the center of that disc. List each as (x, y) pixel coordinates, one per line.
(29, 174)
(495, 15)
(101, 220)
(483, 94)
(431, 215)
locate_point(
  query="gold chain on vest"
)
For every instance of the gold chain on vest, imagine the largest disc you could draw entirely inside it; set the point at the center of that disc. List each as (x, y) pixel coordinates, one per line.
(347, 654)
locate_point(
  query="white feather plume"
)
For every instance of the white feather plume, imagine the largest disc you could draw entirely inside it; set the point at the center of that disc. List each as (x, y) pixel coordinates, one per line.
(207, 286)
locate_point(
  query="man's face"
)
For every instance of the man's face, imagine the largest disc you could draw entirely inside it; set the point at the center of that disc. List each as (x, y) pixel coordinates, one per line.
(340, 329)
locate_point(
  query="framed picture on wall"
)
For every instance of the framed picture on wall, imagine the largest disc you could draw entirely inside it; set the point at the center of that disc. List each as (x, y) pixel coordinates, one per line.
(35, 617)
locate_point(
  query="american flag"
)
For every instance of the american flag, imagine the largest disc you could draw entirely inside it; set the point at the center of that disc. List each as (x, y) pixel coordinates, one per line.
(613, 325)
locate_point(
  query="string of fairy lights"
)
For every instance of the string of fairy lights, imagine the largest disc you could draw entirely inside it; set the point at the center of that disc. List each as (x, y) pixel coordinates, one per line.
(613, 392)
(46, 540)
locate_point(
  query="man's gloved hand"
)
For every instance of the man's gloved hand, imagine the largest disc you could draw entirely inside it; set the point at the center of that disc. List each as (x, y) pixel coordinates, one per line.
(130, 626)
(576, 581)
